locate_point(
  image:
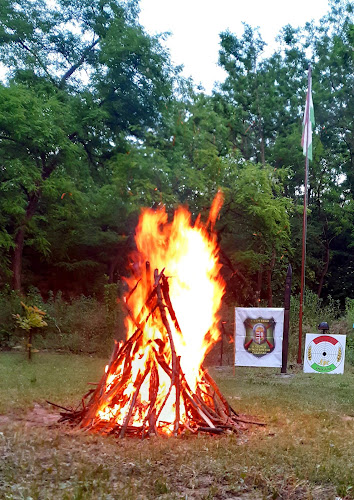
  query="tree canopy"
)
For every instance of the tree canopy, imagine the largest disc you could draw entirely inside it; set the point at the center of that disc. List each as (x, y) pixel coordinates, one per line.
(95, 123)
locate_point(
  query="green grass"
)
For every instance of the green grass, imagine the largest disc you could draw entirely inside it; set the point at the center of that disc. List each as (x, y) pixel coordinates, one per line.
(59, 378)
(304, 452)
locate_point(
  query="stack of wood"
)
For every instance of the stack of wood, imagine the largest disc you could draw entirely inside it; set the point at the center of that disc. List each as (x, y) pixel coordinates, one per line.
(204, 410)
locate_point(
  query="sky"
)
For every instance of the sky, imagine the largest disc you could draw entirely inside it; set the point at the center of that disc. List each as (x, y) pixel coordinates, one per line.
(195, 26)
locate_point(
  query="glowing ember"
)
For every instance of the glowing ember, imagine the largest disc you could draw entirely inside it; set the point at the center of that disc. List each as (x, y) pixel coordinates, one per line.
(155, 381)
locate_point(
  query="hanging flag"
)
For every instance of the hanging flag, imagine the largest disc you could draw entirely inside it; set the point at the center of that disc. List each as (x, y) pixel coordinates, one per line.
(308, 121)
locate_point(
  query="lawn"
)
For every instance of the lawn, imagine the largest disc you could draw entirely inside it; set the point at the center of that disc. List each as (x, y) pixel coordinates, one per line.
(304, 452)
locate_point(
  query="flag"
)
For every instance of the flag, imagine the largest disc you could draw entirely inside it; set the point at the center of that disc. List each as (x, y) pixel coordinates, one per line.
(308, 121)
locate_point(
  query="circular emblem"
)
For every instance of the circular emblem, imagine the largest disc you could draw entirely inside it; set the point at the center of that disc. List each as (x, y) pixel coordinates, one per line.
(324, 353)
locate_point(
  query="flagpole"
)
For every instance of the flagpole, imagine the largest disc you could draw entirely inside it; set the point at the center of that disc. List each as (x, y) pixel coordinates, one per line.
(304, 220)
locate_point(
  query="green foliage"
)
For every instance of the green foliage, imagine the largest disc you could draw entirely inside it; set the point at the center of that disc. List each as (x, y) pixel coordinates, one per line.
(349, 311)
(349, 349)
(95, 123)
(33, 318)
(82, 325)
(58, 131)
(316, 310)
(10, 304)
(263, 97)
(255, 229)
(30, 322)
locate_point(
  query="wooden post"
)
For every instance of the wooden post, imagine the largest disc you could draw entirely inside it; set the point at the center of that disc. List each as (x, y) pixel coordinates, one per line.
(286, 319)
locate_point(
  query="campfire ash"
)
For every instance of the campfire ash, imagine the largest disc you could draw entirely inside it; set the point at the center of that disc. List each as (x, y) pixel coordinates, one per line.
(155, 382)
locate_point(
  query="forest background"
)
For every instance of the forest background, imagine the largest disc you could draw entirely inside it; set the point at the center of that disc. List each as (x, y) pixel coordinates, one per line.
(96, 123)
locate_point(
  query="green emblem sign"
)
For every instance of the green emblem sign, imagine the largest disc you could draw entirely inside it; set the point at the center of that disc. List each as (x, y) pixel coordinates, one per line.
(259, 339)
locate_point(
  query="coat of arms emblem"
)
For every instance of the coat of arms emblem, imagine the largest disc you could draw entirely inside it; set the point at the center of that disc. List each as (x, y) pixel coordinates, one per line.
(259, 339)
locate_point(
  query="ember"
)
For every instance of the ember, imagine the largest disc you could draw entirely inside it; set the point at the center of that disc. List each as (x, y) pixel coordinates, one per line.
(155, 382)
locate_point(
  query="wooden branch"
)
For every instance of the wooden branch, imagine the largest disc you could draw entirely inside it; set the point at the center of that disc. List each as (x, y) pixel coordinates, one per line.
(58, 406)
(148, 277)
(132, 291)
(36, 56)
(166, 294)
(211, 381)
(251, 422)
(201, 413)
(153, 390)
(205, 408)
(131, 408)
(77, 65)
(178, 396)
(175, 363)
(213, 430)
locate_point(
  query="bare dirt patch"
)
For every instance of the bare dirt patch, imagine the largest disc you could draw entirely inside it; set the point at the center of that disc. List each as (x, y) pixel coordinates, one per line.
(39, 416)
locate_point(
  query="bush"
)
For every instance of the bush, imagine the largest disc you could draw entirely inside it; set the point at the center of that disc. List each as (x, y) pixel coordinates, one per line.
(316, 310)
(83, 325)
(349, 350)
(349, 314)
(349, 317)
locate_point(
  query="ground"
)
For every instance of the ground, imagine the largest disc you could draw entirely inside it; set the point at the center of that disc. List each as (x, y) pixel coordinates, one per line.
(304, 452)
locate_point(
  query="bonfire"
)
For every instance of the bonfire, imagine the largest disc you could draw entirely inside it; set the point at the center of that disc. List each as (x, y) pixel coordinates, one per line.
(155, 382)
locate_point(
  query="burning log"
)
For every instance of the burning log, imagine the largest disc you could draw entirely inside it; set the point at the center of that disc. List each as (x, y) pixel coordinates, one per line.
(154, 382)
(205, 410)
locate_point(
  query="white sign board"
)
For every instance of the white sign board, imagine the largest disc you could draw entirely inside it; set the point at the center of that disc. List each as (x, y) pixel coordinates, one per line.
(324, 353)
(258, 336)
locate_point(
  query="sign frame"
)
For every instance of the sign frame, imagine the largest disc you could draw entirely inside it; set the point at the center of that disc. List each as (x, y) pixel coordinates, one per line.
(259, 336)
(324, 353)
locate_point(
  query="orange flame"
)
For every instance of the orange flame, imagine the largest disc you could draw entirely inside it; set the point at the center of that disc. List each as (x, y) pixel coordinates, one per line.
(188, 254)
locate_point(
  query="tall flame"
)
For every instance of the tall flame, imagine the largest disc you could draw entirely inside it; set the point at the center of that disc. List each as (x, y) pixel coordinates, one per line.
(188, 254)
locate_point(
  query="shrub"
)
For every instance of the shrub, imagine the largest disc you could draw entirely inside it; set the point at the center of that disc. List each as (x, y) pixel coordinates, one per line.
(81, 325)
(30, 322)
(349, 349)
(349, 314)
(316, 310)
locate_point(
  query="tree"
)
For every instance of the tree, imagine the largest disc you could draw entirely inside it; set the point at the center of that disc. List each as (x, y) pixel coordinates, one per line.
(327, 46)
(83, 76)
(255, 230)
(34, 137)
(251, 93)
(332, 41)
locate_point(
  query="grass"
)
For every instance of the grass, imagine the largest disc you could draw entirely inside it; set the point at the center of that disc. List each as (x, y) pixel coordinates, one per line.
(304, 452)
(56, 377)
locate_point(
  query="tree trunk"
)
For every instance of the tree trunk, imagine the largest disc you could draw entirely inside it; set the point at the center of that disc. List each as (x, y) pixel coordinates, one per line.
(260, 130)
(19, 242)
(112, 266)
(17, 258)
(259, 288)
(261, 139)
(325, 269)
